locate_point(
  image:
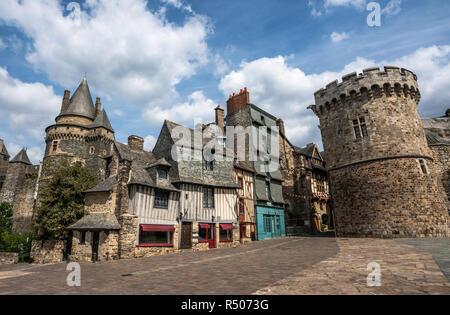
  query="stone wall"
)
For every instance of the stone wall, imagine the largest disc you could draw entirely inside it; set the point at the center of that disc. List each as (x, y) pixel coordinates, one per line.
(108, 248)
(441, 156)
(9, 258)
(389, 199)
(47, 252)
(100, 202)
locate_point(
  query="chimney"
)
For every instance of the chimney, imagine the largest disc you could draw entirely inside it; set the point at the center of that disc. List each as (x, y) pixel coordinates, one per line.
(220, 118)
(136, 143)
(65, 101)
(280, 124)
(98, 106)
(237, 101)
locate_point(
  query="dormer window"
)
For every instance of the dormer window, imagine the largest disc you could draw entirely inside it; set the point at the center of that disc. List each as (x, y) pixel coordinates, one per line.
(162, 174)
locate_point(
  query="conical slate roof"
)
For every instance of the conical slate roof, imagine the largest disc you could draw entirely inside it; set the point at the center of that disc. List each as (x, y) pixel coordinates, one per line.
(21, 157)
(102, 120)
(3, 150)
(81, 102)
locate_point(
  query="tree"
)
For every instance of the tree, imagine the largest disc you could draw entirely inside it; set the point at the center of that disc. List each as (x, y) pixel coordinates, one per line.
(5, 217)
(61, 197)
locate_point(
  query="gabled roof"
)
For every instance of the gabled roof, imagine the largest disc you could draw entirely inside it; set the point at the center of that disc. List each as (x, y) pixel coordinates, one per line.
(102, 120)
(3, 150)
(434, 139)
(81, 102)
(98, 221)
(21, 157)
(160, 162)
(104, 186)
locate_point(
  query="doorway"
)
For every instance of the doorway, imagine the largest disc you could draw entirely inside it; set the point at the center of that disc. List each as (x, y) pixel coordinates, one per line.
(186, 233)
(95, 242)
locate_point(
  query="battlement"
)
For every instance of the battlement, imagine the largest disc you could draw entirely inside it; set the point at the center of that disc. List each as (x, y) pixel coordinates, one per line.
(372, 83)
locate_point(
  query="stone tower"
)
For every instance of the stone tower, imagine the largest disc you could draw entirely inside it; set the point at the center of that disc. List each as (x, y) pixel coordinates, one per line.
(82, 132)
(383, 180)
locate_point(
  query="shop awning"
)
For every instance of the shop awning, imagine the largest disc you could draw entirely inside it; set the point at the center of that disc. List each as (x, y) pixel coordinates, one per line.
(204, 226)
(157, 228)
(227, 226)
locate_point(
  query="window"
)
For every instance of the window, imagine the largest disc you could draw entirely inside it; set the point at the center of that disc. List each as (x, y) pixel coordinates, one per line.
(241, 182)
(226, 235)
(268, 193)
(92, 150)
(161, 199)
(268, 224)
(209, 165)
(423, 166)
(202, 234)
(155, 238)
(55, 146)
(241, 207)
(162, 174)
(263, 120)
(360, 128)
(208, 198)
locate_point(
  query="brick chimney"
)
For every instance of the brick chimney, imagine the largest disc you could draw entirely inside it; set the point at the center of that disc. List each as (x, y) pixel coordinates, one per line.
(280, 124)
(220, 121)
(237, 101)
(65, 101)
(136, 143)
(98, 106)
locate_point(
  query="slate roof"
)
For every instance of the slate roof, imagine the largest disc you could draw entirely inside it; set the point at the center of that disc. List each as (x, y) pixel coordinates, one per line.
(21, 157)
(81, 102)
(161, 162)
(436, 130)
(97, 221)
(308, 150)
(105, 186)
(3, 149)
(102, 120)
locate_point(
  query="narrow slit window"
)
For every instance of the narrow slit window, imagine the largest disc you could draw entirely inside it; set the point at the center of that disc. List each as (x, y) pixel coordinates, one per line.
(423, 166)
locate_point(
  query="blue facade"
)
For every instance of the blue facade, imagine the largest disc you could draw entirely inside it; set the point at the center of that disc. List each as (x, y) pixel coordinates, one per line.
(269, 222)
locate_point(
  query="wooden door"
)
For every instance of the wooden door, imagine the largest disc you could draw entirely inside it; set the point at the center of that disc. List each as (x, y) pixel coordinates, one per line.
(186, 235)
(95, 241)
(212, 236)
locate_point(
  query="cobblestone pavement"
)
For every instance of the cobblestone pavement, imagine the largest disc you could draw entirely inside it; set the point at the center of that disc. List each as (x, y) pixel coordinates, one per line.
(404, 270)
(438, 248)
(282, 266)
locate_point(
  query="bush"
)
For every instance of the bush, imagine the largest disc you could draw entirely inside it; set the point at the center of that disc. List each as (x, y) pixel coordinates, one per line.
(16, 243)
(5, 217)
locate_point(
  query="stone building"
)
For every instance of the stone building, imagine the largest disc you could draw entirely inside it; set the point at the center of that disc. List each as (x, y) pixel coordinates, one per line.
(382, 176)
(19, 188)
(256, 146)
(437, 131)
(313, 188)
(4, 162)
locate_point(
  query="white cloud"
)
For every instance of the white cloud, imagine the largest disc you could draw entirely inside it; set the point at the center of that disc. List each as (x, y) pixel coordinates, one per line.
(393, 7)
(198, 106)
(117, 112)
(337, 37)
(149, 143)
(27, 107)
(125, 48)
(286, 91)
(335, 3)
(179, 5)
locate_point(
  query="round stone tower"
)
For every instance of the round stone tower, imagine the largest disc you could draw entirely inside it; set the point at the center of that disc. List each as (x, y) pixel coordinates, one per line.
(82, 131)
(382, 177)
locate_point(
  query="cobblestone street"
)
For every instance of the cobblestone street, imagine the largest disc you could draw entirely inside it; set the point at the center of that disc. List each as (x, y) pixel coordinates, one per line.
(281, 266)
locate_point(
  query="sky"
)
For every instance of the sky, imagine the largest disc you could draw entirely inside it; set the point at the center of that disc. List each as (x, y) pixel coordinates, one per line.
(178, 59)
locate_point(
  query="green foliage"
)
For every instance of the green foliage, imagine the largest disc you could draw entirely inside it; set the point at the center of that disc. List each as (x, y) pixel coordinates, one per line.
(5, 217)
(62, 198)
(16, 243)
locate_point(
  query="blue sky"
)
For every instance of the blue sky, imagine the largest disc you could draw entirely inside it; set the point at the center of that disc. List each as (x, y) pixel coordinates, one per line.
(176, 59)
